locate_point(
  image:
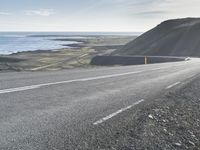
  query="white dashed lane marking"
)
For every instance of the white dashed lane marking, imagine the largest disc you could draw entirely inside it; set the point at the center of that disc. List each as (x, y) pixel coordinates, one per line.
(117, 112)
(173, 85)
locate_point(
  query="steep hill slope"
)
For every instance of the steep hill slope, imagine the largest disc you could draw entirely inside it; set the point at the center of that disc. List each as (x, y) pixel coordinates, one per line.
(179, 37)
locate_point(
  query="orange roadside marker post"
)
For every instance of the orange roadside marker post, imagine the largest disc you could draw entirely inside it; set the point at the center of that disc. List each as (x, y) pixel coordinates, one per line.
(145, 60)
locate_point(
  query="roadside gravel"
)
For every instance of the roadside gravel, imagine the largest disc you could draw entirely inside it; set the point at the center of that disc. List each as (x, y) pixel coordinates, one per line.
(170, 122)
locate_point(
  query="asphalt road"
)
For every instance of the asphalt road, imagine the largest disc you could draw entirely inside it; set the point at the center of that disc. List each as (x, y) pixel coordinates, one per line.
(72, 109)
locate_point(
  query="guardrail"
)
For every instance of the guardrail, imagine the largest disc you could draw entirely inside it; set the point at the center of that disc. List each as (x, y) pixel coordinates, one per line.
(107, 60)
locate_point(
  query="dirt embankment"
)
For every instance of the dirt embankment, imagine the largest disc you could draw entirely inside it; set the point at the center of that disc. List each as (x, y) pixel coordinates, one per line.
(5, 63)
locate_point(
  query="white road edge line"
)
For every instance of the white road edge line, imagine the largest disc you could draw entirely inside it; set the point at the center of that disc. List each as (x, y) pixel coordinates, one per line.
(172, 85)
(117, 112)
(17, 89)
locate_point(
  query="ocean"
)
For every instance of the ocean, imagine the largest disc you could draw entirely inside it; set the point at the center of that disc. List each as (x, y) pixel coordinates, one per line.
(13, 42)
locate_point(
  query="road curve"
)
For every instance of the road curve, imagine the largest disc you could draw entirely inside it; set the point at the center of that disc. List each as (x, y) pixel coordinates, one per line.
(68, 109)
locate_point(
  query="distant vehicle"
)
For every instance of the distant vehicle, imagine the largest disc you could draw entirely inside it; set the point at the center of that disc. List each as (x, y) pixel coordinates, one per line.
(187, 59)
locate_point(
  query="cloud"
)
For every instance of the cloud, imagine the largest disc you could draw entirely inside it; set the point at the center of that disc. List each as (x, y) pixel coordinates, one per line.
(40, 12)
(151, 13)
(4, 13)
(15, 23)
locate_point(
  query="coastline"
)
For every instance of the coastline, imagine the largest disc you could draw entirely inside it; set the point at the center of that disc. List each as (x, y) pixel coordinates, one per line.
(76, 55)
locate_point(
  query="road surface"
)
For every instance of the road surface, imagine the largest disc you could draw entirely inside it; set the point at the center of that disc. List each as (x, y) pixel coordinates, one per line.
(72, 109)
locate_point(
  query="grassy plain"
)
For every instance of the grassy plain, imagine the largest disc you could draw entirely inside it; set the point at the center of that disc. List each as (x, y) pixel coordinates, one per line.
(77, 56)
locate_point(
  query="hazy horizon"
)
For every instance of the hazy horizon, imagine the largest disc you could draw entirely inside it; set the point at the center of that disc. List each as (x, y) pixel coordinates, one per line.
(91, 15)
(61, 31)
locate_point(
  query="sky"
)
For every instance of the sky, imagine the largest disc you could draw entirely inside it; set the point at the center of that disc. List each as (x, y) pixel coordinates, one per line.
(92, 15)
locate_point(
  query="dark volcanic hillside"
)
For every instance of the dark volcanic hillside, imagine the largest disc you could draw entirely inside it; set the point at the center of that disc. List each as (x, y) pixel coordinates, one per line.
(180, 37)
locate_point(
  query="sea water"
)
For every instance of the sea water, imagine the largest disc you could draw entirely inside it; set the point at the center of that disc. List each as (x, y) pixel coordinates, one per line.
(13, 42)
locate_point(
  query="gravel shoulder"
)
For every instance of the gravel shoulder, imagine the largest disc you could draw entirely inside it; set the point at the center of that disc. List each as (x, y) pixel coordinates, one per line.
(168, 122)
(172, 122)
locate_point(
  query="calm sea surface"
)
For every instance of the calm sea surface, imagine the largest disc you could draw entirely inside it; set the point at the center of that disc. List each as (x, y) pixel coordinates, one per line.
(12, 42)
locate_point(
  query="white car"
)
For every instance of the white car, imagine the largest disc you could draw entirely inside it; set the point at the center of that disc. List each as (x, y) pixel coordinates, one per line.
(187, 59)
